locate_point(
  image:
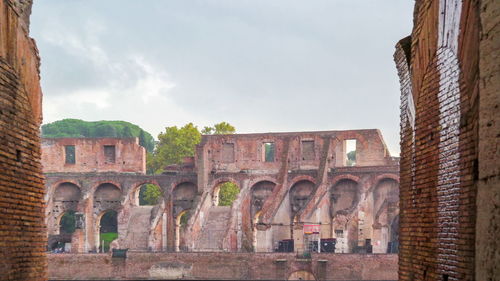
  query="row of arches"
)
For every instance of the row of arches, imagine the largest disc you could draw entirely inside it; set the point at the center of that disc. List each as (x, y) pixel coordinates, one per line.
(343, 198)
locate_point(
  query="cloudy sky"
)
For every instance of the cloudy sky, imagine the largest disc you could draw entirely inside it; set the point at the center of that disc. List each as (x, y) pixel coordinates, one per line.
(261, 65)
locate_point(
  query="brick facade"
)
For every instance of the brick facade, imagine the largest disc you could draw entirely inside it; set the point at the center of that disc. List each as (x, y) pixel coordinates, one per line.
(360, 200)
(223, 266)
(446, 90)
(22, 228)
(93, 155)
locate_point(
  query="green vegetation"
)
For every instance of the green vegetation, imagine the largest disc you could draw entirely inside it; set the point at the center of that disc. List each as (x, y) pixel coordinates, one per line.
(351, 158)
(107, 238)
(67, 223)
(184, 219)
(227, 193)
(177, 143)
(75, 128)
(149, 194)
(222, 128)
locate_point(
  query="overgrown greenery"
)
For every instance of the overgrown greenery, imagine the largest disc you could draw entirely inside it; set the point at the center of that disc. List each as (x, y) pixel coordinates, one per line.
(227, 193)
(177, 143)
(149, 194)
(74, 128)
(107, 238)
(68, 222)
(351, 158)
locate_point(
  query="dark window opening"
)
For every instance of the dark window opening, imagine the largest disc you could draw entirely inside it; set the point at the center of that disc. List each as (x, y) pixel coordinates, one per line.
(269, 151)
(308, 150)
(69, 151)
(109, 154)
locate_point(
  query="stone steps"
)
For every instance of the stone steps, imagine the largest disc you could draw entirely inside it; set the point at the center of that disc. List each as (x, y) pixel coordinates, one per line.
(214, 229)
(138, 228)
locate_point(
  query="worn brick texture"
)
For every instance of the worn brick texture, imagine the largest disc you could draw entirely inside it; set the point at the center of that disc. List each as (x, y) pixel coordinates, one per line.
(22, 229)
(448, 70)
(90, 157)
(221, 266)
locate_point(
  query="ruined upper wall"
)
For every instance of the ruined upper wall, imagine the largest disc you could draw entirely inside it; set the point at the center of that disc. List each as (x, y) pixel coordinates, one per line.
(121, 155)
(23, 234)
(449, 70)
(303, 150)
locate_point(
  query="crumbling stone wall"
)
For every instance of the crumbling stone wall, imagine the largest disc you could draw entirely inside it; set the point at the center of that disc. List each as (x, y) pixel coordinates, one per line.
(448, 70)
(222, 266)
(90, 155)
(308, 186)
(22, 229)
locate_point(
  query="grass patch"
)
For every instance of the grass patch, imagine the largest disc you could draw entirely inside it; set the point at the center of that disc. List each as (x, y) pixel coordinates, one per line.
(108, 238)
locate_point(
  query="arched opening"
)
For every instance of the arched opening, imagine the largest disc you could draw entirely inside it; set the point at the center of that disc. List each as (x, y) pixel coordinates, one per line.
(67, 193)
(300, 194)
(301, 275)
(260, 192)
(148, 194)
(107, 196)
(225, 193)
(183, 199)
(67, 224)
(108, 229)
(61, 221)
(385, 210)
(344, 197)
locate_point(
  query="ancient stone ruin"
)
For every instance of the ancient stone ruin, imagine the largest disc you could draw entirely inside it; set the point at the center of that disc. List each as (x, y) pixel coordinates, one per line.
(449, 196)
(288, 182)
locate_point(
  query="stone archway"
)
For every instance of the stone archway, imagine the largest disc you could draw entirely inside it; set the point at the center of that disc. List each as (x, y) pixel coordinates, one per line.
(301, 275)
(260, 192)
(225, 193)
(183, 197)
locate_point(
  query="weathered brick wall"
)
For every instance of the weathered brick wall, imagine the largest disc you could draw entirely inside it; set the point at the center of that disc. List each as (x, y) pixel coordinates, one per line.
(235, 266)
(488, 188)
(439, 69)
(130, 157)
(22, 229)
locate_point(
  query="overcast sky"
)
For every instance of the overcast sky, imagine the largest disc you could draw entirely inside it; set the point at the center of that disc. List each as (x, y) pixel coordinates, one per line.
(261, 65)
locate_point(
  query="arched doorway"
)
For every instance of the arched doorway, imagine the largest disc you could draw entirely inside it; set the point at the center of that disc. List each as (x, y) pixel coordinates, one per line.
(344, 197)
(225, 193)
(385, 210)
(260, 192)
(108, 229)
(148, 194)
(183, 199)
(61, 221)
(301, 275)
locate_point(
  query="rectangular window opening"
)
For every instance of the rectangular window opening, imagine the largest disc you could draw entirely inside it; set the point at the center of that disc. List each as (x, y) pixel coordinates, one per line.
(350, 152)
(228, 153)
(269, 151)
(308, 150)
(109, 154)
(69, 152)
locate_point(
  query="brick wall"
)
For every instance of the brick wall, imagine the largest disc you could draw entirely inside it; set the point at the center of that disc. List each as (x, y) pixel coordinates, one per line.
(90, 155)
(22, 229)
(439, 67)
(235, 266)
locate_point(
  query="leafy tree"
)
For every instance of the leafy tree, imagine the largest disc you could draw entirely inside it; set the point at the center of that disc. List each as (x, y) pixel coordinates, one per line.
(149, 194)
(127, 133)
(222, 128)
(75, 128)
(173, 145)
(177, 143)
(351, 158)
(227, 193)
